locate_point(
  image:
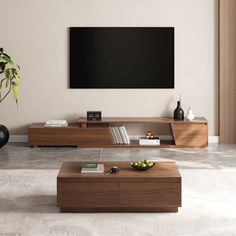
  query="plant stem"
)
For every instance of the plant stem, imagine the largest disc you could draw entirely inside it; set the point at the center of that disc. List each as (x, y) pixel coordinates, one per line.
(1, 87)
(2, 82)
(7, 91)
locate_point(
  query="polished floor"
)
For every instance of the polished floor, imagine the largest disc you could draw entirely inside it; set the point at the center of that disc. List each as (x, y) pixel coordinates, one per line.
(28, 202)
(21, 156)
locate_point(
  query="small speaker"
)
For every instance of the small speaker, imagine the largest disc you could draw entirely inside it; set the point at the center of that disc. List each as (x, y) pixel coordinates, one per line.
(94, 115)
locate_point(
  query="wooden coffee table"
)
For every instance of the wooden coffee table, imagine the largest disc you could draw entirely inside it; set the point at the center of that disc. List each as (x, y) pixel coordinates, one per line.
(155, 190)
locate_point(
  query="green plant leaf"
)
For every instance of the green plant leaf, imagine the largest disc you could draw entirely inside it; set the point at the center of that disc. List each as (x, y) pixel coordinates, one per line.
(13, 70)
(15, 90)
(6, 55)
(6, 59)
(16, 77)
(7, 82)
(2, 67)
(8, 73)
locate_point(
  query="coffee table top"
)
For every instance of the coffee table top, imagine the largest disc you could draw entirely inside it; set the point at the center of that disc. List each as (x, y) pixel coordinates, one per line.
(163, 171)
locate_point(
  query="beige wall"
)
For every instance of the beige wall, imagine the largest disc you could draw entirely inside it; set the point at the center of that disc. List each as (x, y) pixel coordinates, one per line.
(35, 33)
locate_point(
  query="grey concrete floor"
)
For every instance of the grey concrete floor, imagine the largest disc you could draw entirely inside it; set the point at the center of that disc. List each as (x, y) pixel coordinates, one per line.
(21, 156)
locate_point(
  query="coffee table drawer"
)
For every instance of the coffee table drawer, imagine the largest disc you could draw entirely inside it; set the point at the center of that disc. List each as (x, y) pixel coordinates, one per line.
(75, 194)
(150, 194)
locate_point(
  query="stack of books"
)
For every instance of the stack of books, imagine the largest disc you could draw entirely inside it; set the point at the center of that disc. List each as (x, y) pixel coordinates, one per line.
(56, 123)
(92, 168)
(119, 134)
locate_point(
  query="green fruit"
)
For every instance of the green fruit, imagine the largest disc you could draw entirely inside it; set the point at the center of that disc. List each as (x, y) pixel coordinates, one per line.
(144, 165)
(150, 164)
(135, 163)
(131, 163)
(146, 161)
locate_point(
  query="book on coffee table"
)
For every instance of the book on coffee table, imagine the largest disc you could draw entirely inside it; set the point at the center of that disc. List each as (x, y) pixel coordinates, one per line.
(92, 168)
(89, 165)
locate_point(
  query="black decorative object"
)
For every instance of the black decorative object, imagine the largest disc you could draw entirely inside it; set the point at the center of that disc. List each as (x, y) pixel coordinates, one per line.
(4, 135)
(94, 115)
(114, 169)
(178, 112)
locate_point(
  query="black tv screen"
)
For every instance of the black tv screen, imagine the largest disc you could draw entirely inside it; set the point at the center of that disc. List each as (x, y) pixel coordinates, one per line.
(121, 57)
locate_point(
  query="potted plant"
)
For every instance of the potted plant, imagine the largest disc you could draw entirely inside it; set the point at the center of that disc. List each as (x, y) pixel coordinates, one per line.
(9, 79)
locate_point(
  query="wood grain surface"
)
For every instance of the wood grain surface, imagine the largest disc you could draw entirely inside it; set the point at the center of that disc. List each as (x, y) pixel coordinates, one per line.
(227, 71)
(97, 133)
(155, 190)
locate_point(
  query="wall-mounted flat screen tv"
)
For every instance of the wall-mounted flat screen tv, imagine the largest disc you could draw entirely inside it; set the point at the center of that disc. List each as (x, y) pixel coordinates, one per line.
(121, 57)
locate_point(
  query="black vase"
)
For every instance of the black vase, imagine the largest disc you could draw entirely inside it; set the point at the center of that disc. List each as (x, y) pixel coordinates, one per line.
(4, 135)
(178, 112)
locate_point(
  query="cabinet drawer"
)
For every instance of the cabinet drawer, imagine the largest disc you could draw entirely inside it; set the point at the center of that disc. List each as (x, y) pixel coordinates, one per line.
(70, 136)
(75, 194)
(151, 194)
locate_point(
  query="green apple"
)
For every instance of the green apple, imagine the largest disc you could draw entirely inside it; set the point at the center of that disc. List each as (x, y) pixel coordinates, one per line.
(150, 164)
(135, 163)
(143, 165)
(146, 161)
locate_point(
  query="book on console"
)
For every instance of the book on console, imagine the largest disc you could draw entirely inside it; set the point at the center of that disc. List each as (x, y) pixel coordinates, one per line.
(45, 125)
(125, 134)
(119, 134)
(56, 123)
(122, 135)
(113, 133)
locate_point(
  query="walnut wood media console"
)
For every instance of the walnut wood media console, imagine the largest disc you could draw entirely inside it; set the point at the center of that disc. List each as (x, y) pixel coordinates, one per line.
(97, 134)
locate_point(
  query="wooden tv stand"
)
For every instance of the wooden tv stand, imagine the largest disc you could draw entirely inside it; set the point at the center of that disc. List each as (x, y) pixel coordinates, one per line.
(97, 134)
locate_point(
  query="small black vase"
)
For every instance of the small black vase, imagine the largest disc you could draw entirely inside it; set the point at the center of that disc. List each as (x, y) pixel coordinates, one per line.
(178, 112)
(4, 135)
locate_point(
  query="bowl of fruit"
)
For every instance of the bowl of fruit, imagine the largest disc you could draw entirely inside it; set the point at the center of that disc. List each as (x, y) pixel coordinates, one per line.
(142, 165)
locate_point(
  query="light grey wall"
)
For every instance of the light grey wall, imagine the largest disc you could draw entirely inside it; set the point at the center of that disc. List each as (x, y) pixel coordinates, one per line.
(35, 33)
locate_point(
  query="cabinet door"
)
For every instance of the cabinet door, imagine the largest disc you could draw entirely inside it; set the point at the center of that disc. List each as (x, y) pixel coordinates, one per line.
(75, 194)
(152, 194)
(190, 134)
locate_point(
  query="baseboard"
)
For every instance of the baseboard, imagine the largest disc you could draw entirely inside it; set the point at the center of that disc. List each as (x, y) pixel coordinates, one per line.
(18, 138)
(213, 139)
(24, 138)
